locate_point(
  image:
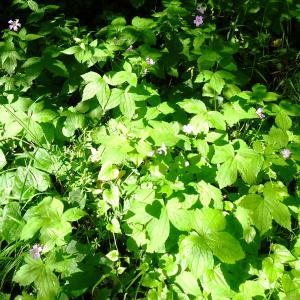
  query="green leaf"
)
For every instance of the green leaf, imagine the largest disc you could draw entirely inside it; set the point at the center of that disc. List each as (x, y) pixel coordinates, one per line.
(91, 77)
(208, 192)
(282, 254)
(233, 113)
(44, 161)
(208, 220)
(227, 173)
(73, 214)
(140, 199)
(178, 216)
(222, 153)
(262, 217)
(90, 90)
(225, 247)
(217, 120)
(203, 76)
(283, 121)
(192, 106)
(118, 78)
(112, 196)
(158, 230)
(142, 23)
(113, 100)
(127, 105)
(215, 283)
(231, 90)
(33, 66)
(197, 253)
(272, 270)
(208, 91)
(279, 212)
(31, 228)
(103, 93)
(32, 37)
(33, 5)
(275, 190)
(72, 50)
(12, 222)
(168, 264)
(277, 138)
(217, 83)
(57, 67)
(35, 178)
(45, 281)
(292, 109)
(251, 201)
(188, 284)
(44, 116)
(164, 132)
(108, 172)
(3, 161)
(46, 217)
(264, 209)
(270, 96)
(200, 122)
(73, 122)
(249, 164)
(249, 289)
(113, 255)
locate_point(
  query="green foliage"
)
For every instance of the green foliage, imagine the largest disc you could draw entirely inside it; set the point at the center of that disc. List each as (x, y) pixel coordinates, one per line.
(148, 157)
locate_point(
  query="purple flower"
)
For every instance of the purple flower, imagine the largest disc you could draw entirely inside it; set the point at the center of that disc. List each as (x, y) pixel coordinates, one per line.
(260, 113)
(286, 153)
(150, 61)
(13, 25)
(35, 251)
(198, 20)
(201, 8)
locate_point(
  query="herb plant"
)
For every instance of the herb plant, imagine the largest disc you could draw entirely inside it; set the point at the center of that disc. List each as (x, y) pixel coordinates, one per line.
(154, 156)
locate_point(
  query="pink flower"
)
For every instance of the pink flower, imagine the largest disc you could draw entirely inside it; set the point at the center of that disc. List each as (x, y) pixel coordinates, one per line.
(35, 251)
(260, 113)
(130, 48)
(198, 21)
(150, 61)
(286, 153)
(13, 25)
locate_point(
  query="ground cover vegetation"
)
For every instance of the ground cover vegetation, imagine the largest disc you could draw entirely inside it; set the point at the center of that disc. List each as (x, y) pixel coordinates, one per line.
(149, 150)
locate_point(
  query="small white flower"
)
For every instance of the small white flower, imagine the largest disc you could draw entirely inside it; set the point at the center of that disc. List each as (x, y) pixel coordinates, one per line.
(188, 129)
(201, 8)
(35, 251)
(151, 153)
(150, 61)
(13, 25)
(94, 155)
(220, 100)
(162, 149)
(186, 163)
